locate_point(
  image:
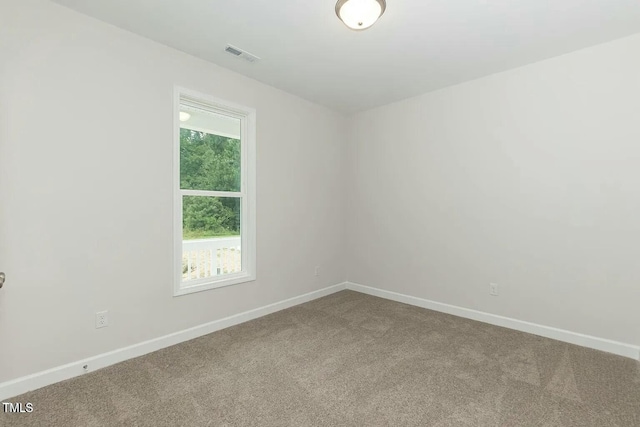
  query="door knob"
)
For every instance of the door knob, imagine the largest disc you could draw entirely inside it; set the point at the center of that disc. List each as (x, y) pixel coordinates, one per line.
(2, 277)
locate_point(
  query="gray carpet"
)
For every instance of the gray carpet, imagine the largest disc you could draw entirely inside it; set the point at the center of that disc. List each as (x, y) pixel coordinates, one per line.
(351, 360)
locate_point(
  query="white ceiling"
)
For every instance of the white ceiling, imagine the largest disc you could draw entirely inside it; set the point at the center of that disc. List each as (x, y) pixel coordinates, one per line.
(417, 46)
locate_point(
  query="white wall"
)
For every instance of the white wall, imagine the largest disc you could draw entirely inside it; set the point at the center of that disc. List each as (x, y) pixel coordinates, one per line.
(528, 178)
(86, 190)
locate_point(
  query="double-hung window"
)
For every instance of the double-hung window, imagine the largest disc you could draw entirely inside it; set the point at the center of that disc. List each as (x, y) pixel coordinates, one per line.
(214, 187)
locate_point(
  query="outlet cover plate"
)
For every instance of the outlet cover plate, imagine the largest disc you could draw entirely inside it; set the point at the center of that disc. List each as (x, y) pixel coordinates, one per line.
(102, 319)
(493, 289)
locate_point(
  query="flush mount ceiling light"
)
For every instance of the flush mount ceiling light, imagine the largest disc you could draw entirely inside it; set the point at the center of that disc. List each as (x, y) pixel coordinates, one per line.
(360, 14)
(184, 116)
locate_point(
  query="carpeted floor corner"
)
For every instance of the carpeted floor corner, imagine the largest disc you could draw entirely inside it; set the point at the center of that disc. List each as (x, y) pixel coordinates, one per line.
(351, 359)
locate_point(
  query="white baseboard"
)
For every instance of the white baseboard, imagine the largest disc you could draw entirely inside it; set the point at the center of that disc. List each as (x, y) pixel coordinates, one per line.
(615, 347)
(61, 373)
(41, 379)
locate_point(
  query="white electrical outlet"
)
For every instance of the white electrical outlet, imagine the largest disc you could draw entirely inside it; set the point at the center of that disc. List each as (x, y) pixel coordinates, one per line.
(493, 289)
(102, 319)
(317, 271)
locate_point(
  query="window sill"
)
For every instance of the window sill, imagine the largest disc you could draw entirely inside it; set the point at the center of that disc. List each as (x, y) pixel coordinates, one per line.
(208, 283)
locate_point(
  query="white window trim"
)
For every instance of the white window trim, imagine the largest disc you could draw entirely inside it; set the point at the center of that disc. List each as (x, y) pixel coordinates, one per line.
(247, 117)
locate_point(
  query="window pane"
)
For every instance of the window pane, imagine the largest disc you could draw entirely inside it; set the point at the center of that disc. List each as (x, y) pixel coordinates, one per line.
(211, 244)
(209, 150)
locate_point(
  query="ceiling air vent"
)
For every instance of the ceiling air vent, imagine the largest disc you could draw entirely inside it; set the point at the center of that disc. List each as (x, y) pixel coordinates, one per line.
(241, 53)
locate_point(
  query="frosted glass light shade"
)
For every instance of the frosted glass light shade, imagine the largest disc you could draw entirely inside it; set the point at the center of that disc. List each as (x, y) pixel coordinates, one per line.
(360, 14)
